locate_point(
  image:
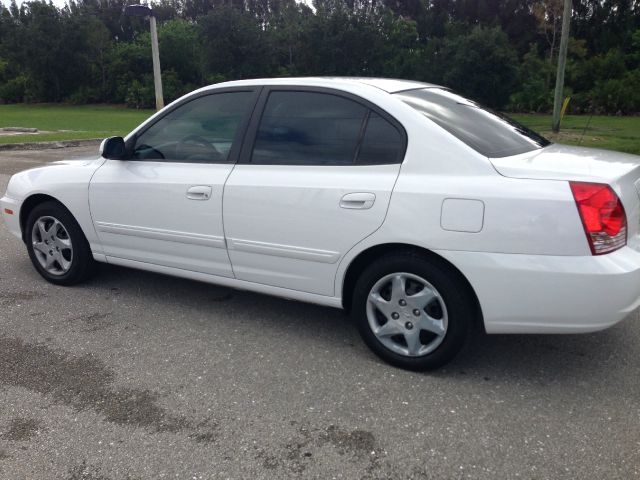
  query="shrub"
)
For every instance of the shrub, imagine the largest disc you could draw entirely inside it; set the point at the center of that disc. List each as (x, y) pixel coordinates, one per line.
(14, 90)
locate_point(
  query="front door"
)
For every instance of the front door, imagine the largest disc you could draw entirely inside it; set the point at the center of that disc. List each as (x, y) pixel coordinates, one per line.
(313, 180)
(164, 205)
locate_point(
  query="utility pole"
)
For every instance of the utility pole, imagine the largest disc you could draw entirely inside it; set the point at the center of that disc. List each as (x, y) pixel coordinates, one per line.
(562, 62)
(145, 11)
(155, 54)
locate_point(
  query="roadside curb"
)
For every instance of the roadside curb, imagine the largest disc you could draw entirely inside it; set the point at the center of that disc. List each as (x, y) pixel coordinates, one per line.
(48, 145)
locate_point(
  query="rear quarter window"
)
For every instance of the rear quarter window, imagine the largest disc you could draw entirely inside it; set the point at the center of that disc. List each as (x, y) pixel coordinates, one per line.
(382, 143)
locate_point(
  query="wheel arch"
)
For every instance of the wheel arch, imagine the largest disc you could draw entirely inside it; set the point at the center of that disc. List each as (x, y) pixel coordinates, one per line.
(364, 258)
(31, 202)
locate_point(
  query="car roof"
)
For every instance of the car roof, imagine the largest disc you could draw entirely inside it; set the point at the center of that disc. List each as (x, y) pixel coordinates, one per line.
(389, 85)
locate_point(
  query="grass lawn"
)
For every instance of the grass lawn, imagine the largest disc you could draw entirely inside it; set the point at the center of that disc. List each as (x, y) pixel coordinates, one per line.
(612, 133)
(65, 122)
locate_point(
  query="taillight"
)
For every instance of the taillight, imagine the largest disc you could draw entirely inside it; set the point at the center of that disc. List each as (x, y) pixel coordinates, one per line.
(602, 214)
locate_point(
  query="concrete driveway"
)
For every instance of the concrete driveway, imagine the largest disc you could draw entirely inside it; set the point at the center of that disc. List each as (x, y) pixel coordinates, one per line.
(141, 376)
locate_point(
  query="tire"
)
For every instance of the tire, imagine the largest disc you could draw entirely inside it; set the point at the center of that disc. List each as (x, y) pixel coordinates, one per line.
(410, 335)
(63, 256)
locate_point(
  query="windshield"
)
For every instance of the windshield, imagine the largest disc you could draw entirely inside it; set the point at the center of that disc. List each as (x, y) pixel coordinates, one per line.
(489, 133)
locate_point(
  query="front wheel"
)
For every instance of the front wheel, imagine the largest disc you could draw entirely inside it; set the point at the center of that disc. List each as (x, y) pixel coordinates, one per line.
(413, 312)
(57, 247)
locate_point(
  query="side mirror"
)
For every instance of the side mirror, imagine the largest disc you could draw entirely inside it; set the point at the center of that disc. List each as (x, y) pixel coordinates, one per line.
(112, 148)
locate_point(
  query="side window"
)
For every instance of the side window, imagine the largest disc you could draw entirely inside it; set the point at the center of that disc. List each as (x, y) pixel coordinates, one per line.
(200, 131)
(382, 143)
(308, 128)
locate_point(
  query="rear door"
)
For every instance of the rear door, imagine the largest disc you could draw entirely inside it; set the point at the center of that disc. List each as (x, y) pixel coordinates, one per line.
(164, 204)
(314, 178)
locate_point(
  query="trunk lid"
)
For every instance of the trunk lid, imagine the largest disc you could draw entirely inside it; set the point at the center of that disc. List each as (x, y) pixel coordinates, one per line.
(563, 162)
(567, 163)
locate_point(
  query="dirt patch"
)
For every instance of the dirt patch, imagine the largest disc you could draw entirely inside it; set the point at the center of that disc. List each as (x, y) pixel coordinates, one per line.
(16, 130)
(204, 437)
(94, 321)
(83, 383)
(4, 455)
(206, 431)
(10, 299)
(47, 145)
(22, 429)
(85, 472)
(571, 136)
(296, 452)
(355, 442)
(309, 443)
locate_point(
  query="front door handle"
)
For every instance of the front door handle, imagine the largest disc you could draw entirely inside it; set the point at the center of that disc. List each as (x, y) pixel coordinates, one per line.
(360, 201)
(199, 192)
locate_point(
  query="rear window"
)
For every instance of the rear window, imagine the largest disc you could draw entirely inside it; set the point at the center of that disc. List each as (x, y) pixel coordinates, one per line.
(489, 133)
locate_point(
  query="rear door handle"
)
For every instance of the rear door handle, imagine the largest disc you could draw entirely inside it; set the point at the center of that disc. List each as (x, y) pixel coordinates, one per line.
(199, 192)
(360, 201)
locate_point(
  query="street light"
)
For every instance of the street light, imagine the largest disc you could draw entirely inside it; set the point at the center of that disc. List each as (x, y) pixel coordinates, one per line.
(145, 11)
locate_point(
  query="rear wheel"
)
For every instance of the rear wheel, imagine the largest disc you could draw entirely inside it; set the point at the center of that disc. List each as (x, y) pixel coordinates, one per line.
(57, 247)
(413, 312)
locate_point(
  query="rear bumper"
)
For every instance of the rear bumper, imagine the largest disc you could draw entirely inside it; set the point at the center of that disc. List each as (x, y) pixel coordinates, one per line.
(552, 294)
(11, 220)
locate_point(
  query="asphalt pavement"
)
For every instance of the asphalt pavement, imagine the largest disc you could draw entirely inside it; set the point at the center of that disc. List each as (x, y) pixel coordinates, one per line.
(141, 376)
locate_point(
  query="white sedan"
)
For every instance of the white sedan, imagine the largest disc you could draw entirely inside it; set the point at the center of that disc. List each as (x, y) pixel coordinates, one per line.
(417, 210)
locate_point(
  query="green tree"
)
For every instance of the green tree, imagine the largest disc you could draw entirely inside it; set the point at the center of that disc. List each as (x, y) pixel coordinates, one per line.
(481, 64)
(535, 93)
(234, 45)
(496, 51)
